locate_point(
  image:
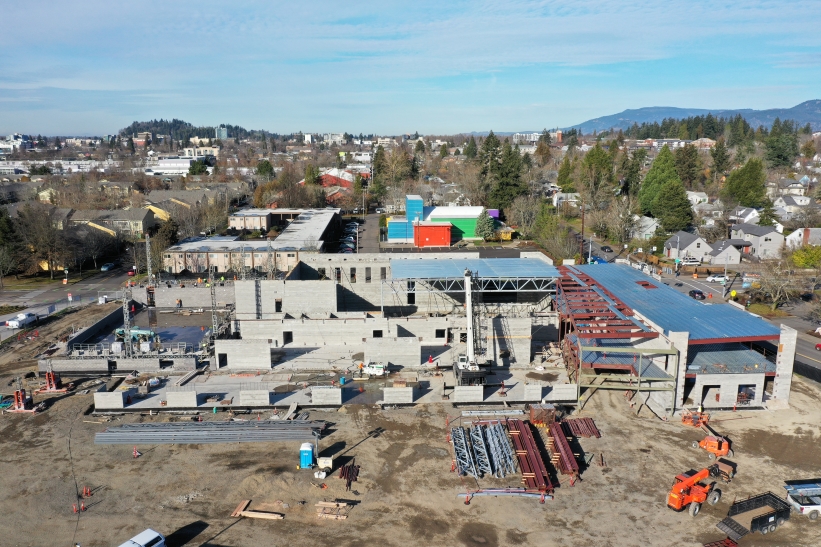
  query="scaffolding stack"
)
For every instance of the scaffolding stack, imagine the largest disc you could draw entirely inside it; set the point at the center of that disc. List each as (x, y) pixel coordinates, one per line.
(477, 439)
(501, 454)
(464, 457)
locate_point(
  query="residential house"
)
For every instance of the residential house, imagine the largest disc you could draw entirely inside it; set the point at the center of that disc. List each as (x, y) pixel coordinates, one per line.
(187, 198)
(644, 227)
(743, 215)
(130, 222)
(727, 252)
(684, 244)
(117, 189)
(571, 199)
(803, 236)
(709, 212)
(697, 197)
(201, 152)
(47, 195)
(765, 241)
(786, 187)
(792, 203)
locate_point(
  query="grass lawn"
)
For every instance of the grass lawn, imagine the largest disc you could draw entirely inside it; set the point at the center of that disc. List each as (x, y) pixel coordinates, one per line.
(43, 280)
(10, 309)
(765, 311)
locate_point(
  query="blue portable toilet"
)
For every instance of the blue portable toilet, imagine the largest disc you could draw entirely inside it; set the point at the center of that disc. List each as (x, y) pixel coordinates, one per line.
(342, 381)
(306, 456)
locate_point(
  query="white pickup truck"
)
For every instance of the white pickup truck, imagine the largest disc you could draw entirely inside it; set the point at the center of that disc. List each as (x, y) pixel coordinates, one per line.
(21, 320)
(805, 497)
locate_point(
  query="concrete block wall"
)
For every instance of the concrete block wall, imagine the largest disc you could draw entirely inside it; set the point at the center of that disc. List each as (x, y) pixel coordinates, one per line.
(404, 352)
(296, 297)
(111, 320)
(679, 341)
(191, 296)
(245, 354)
(468, 394)
(397, 395)
(511, 335)
(110, 400)
(533, 392)
(316, 332)
(142, 365)
(728, 389)
(331, 396)
(561, 393)
(181, 399)
(784, 362)
(254, 398)
(74, 365)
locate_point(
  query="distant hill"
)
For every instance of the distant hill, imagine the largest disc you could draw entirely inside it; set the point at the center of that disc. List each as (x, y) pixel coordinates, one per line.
(182, 130)
(806, 112)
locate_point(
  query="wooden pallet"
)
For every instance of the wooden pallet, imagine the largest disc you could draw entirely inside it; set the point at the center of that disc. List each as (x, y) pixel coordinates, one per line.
(332, 510)
(242, 511)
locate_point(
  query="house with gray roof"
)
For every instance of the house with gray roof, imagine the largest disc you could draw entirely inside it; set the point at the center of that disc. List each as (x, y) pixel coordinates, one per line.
(131, 222)
(727, 251)
(684, 244)
(765, 241)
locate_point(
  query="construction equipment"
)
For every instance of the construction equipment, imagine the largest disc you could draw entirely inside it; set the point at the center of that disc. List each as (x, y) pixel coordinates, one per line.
(689, 491)
(761, 513)
(715, 445)
(805, 497)
(325, 463)
(694, 418)
(23, 403)
(472, 367)
(137, 334)
(53, 383)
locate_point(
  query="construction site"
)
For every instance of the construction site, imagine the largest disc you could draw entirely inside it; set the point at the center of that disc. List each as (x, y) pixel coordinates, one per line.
(432, 398)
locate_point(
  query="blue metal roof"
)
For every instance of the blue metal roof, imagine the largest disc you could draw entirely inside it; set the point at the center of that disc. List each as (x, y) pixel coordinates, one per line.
(674, 311)
(452, 268)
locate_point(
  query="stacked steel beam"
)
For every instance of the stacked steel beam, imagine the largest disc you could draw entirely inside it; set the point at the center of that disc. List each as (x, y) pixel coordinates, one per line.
(500, 452)
(210, 432)
(477, 440)
(534, 472)
(580, 427)
(567, 460)
(461, 449)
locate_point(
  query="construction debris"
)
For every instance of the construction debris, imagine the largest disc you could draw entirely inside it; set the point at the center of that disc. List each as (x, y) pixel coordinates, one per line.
(580, 427)
(333, 510)
(242, 511)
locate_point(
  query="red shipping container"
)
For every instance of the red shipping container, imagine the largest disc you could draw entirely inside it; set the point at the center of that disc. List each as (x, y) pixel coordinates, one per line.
(431, 234)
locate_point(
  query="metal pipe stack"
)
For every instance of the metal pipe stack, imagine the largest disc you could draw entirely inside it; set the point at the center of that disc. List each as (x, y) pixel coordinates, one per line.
(211, 432)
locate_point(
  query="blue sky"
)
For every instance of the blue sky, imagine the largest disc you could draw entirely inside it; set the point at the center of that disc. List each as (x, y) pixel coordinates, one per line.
(88, 67)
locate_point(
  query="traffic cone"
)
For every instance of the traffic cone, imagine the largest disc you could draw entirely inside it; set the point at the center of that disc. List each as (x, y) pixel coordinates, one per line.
(82, 506)
(74, 507)
(136, 454)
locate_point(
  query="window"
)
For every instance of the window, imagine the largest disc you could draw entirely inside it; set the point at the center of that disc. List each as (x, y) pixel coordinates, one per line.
(767, 239)
(291, 255)
(278, 305)
(321, 272)
(180, 256)
(353, 275)
(383, 273)
(698, 245)
(367, 275)
(377, 334)
(440, 333)
(338, 275)
(287, 337)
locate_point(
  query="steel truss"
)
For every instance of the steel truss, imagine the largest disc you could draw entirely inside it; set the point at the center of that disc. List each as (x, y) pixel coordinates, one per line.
(477, 439)
(464, 458)
(482, 284)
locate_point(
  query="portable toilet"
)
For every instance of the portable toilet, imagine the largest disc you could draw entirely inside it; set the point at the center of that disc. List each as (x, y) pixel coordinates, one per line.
(306, 456)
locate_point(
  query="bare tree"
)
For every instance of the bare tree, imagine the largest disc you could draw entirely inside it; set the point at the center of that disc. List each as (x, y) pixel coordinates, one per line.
(523, 213)
(96, 243)
(621, 219)
(779, 282)
(8, 263)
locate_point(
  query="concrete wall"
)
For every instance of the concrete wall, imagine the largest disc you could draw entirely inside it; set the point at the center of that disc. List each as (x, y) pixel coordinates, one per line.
(561, 393)
(331, 396)
(468, 394)
(533, 392)
(784, 362)
(244, 354)
(74, 365)
(191, 296)
(181, 399)
(112, 400)
(295, 298)
(402, 352)
(728, 389)
(106, 324)
(397, 395)
(511, 337)
(254, 398)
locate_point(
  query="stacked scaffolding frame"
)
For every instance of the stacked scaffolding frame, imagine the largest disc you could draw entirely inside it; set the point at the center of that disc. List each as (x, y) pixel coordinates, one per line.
(593, 323)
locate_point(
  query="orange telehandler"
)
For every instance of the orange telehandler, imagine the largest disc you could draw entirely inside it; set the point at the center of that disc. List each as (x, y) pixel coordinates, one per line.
(689, 491)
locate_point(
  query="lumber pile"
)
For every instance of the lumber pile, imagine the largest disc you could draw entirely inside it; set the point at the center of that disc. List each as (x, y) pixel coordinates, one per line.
(332, 510)
(243, 511)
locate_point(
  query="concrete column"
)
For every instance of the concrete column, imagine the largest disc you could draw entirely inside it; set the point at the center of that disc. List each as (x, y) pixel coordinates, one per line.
(680, 341)
(784, 363)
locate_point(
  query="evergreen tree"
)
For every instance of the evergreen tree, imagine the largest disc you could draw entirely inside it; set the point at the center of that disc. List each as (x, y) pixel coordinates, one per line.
(597, 169)
(542, 152)
(443, 151)
(311, 174)
(379, 162)
(661, 172)
(420, 147)
(721, 158)
(808, 149)
(471, 150)
(565, 181)
(672, 207)
(508, 184)
(130, 144)
(198, 168)
(545, 137)
(688, 165)
(767, 217)
(630, 171)
(782, 144)
(746, 186)
(485, 226)
(489, 155)
(265, 169)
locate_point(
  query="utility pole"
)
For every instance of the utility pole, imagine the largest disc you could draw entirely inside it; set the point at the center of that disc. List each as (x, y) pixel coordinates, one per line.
(127, 323)
(242, 259)
(148, 257)
(581, 249)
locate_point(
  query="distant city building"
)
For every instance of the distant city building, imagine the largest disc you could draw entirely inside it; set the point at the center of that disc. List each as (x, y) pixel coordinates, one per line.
(526, 138)
(385, 142)
(222, 132)
(334, 138)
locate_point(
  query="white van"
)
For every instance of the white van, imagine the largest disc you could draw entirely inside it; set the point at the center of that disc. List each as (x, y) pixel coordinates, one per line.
(147, 538)
(691, 261)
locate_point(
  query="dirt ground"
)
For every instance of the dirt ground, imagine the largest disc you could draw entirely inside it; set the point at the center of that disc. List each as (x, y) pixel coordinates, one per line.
(406, 492)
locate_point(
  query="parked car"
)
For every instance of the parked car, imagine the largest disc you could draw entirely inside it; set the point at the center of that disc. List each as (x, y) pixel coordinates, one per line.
(597, 260)
(146, 538)
(21, 320)
(107, 267)
(697, 294)
(132, 272)
(719, 278)
(691, 261)
(606, 249)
